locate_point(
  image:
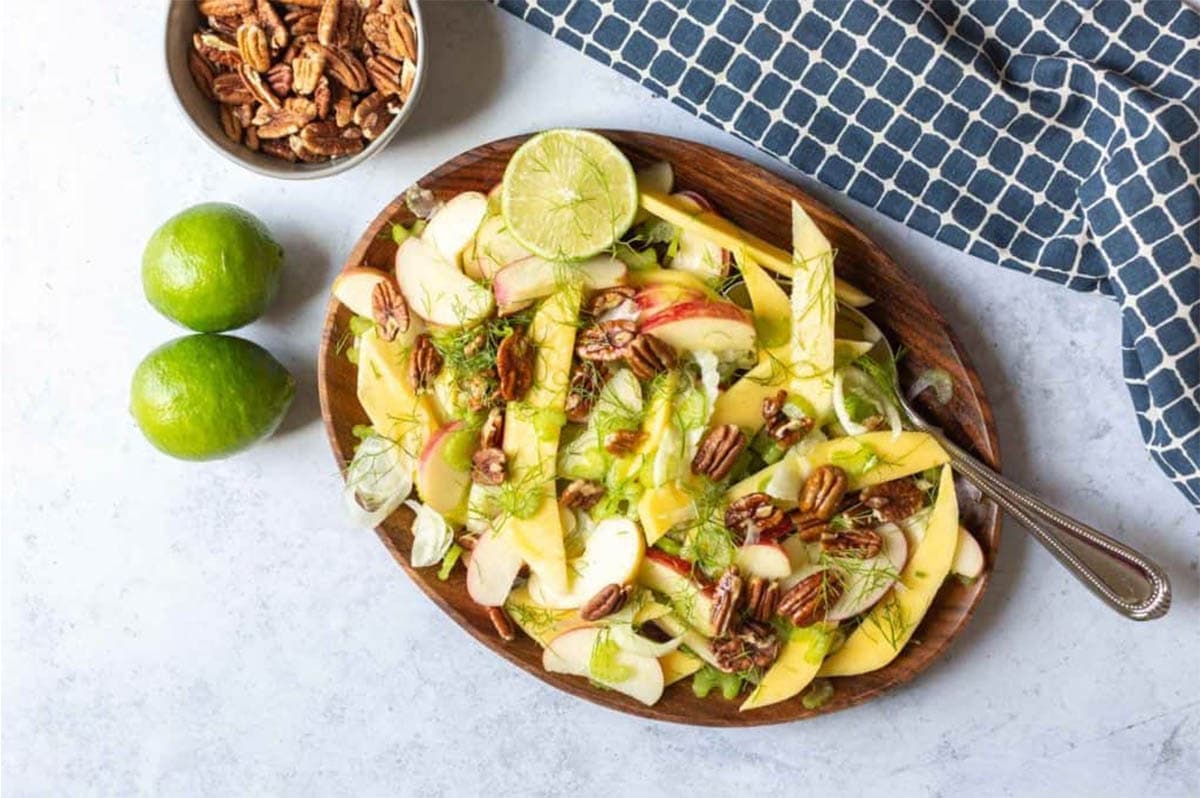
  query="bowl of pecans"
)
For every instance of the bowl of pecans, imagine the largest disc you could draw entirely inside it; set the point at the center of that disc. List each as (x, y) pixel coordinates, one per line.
(300, 89)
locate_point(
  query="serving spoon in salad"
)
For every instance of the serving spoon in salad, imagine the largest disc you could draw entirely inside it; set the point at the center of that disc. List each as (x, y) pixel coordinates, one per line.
(1123, 578)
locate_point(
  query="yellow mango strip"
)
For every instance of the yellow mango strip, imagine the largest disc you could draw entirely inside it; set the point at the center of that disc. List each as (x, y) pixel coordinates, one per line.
(729, 236)
(531, 433)
(678, 665)
(796, 667)
(395, 409)
(891, 623)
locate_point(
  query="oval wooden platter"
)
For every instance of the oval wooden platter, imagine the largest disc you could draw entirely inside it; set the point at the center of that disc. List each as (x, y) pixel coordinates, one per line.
(759, 202)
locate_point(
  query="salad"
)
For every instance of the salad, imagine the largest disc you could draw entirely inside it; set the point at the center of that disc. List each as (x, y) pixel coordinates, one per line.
(646, 439)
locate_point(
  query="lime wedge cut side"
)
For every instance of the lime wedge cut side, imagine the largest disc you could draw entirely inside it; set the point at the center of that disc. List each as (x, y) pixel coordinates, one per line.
(568, 194)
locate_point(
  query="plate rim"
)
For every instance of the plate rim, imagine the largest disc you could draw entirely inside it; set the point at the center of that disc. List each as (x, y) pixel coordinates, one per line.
(991, 523)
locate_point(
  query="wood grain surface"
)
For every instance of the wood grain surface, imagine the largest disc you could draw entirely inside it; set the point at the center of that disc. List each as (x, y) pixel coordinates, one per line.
(759, 202)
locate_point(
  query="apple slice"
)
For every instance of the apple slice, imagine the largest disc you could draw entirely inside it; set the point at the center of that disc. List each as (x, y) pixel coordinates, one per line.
(611, 555)
(869, 579)
(453, 227)
(697, 253)
(703, 325)
(354, 287)
(657, 297)
(658, 176)
(571, 653)
(968, 556)
(672, 576)
(493, 566)
(436, 290)
(532, 278)
(492, 249)
(768, 560)
(444, 469)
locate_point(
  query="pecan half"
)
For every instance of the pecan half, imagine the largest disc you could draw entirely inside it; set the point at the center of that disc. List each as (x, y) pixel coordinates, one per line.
(323, 98)
(610, 599)
(808, 526)
(857, 543)
(384, 72)
(302, 22)
(762, 597)
(810, 599)
(893, 501)
(344, 67)
(606, 341)
(202, 74)
(718, 451)
(373, 115)
(727, 598)
(489, 467)
(302, 150)
(327, 22)
(425, 363)
(279, 78)
(251, 139)
(217, 49)
(254, 47)
(230, 89)
(408, 76)
(272, 23)
(226, 26)
(491, 434)
(389, 310)
(276, 147)
(307, 68)
(581, 494)
(649, 356)
(326, 138)
(224, 8)
(230, 123)
(406, 29)
(823, 492)
(259, 88)
(610, 299)
(278, 123)
(502, 624)
(755, 645)
(623, 442)
(586, 381)
(514, 365)
(757, 512)
(780, 427)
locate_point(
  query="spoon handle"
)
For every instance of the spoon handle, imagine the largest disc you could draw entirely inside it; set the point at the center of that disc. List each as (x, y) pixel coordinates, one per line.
(1128, 582)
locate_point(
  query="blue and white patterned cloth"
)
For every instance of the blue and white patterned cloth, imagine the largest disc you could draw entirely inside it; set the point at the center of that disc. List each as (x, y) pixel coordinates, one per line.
(1055, 138)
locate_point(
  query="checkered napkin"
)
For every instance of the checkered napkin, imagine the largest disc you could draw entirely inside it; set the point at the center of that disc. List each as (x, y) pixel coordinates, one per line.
(1055, 138)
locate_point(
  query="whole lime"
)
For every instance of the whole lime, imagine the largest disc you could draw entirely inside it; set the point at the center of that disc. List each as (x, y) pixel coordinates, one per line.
(211, 268)
(203, 397)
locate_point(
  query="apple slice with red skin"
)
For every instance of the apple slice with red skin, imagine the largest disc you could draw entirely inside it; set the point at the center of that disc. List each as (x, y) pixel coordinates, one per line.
(703, 325)
(436, 290)
(768, 560)
(530, 279)
(453, 226)
(355, 286)
(672, 576)
(492, 568)
(656, 298)
(440, 484)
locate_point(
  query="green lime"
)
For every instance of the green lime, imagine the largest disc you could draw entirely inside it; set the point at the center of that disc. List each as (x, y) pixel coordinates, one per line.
(568, 194)
(203, 397)
(211, 268)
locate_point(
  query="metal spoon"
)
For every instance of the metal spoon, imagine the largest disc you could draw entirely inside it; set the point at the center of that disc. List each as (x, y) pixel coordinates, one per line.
(1128, 582)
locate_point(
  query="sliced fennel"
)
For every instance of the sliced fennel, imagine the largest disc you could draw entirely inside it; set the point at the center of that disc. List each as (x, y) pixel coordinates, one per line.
(432, 536)
(378, 480)
(850, 378)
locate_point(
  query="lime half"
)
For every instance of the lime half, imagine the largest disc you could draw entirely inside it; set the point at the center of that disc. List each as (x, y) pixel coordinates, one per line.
(568, 194)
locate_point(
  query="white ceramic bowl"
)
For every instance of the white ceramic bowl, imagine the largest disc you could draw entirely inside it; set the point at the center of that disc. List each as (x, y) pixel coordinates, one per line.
(182, 21)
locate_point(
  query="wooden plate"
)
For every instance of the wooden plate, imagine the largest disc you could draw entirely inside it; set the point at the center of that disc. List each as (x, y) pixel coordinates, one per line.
(759, 202)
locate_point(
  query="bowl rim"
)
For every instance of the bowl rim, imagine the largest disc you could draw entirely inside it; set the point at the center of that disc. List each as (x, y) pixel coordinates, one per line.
(286, 170)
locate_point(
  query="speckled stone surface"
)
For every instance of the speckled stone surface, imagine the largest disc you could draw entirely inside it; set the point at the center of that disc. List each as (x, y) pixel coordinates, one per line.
(219, 629)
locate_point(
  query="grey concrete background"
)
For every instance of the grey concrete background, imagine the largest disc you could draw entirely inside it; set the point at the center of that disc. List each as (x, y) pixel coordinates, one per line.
(220, 629)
